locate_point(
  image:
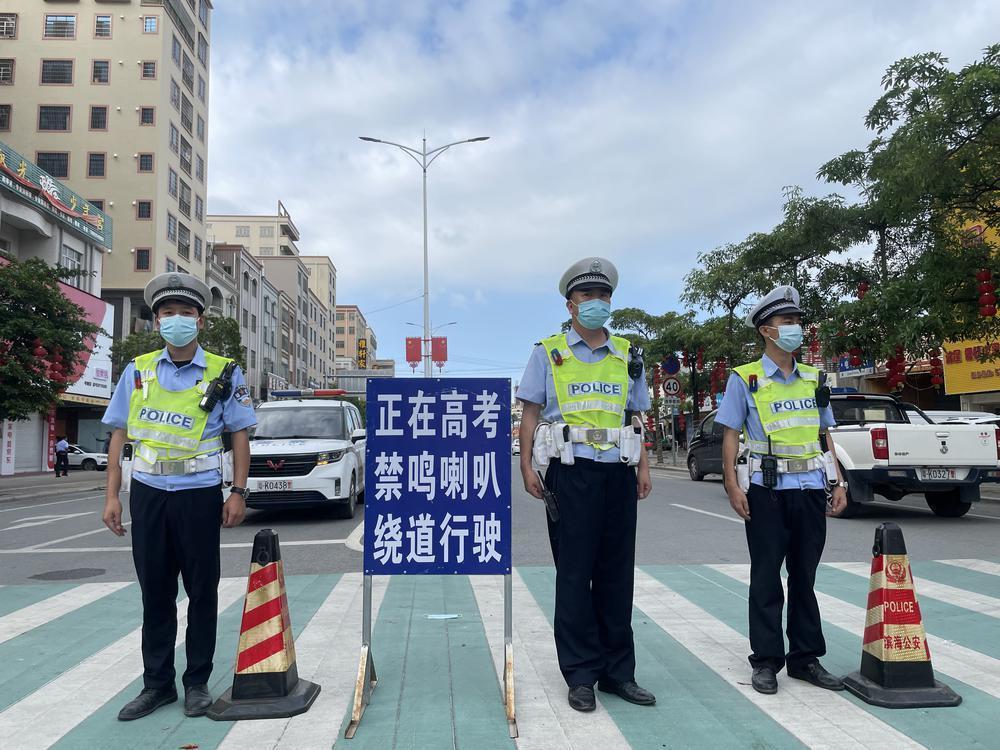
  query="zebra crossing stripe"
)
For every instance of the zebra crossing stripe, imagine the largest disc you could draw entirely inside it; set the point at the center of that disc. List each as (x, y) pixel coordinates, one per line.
(975, 669)
(979, 603)
(31, 617)
(818, 718)
(981, 566)
(337, 622)
(83, 689)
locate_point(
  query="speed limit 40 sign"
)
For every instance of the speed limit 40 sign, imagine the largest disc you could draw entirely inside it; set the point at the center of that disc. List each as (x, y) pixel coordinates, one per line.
(671, 387)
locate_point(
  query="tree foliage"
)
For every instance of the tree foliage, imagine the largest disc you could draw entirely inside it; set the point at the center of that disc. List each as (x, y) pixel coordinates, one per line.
(221, 336)
(34, 313)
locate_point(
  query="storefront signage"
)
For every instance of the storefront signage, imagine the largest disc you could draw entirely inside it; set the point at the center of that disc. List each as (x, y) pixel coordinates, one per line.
(963, 370)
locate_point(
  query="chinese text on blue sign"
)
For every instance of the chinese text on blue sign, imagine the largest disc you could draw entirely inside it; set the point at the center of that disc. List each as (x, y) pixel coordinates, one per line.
(437, 476)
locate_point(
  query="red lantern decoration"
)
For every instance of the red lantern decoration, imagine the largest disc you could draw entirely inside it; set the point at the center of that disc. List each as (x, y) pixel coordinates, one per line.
(987, 311)
(684, 357)
(986, 287)
(937, 380)
(935, 352)
(935, 362)
(701, 359)
(985, 300)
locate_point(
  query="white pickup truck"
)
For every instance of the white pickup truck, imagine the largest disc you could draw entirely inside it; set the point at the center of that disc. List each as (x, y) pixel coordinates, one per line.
(882, 451)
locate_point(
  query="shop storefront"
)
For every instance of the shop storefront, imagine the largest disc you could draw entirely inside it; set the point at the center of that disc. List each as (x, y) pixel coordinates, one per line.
(976, 383)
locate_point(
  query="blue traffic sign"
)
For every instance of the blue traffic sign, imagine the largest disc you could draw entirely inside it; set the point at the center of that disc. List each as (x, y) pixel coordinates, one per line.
(671, 365)
(438, 476)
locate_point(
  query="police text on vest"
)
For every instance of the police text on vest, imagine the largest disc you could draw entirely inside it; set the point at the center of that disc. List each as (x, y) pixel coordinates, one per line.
(793, 404)
(172, 418)
(606, 389)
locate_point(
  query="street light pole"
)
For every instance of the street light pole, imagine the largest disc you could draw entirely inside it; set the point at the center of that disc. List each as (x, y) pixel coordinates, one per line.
(424, 163)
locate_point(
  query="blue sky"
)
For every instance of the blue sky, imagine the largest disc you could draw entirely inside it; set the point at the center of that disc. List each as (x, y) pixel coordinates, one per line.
(644, 132)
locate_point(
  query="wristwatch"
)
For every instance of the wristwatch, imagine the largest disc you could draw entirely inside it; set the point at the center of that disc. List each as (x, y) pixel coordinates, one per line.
(839, 484)
(241, 491)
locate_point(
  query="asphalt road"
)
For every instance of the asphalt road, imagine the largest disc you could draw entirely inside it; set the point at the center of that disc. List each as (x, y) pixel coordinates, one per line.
(60, 537)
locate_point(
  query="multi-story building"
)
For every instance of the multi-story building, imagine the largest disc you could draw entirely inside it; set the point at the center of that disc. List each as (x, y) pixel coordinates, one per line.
(273, 376)
(246, 271)
(263, 234)
(323, 281)
(111, 97)
(351, 328)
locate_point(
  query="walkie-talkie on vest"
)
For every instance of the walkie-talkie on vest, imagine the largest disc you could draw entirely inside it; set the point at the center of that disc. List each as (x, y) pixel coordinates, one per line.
(218, 389)
(769, 467)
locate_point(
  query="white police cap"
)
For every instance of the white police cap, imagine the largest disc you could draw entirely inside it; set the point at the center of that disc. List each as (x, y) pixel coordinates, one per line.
(182, 287)
(782, 299)
(589, 272)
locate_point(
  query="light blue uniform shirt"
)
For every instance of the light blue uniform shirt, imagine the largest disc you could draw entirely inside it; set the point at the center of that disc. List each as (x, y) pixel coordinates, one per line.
(738, 409)
(62, 445)
(538, 387)
(232, 415)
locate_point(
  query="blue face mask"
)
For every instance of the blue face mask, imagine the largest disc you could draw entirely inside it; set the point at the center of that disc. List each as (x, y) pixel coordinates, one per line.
(593, 313)
(789, 337)
(178, 330)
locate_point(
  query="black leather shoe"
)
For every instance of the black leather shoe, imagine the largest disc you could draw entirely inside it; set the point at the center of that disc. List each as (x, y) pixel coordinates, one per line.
(628, 691)
(197, 699)
(581, 698)
(764, 680)
(146, 702)
(813, 672)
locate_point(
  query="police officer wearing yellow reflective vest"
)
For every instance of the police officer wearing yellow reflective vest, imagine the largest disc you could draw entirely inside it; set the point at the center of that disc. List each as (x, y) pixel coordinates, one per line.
(777, 482)
(581, 393)
(168, 413)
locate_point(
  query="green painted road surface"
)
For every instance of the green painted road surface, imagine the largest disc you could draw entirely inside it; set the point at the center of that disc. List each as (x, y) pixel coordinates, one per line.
(70, 659)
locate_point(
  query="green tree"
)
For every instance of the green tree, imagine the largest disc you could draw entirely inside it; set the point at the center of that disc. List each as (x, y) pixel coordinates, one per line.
(221, 336)
(35, 313)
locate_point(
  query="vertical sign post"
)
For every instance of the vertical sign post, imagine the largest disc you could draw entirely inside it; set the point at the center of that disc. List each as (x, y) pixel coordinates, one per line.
(437, 496)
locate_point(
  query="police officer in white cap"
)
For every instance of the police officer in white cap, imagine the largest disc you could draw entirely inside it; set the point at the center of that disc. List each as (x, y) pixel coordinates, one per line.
(581, 391)
(778, 484)
(168, 412)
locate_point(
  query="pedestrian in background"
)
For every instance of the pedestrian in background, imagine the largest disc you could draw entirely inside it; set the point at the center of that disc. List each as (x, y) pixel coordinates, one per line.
(62, 456)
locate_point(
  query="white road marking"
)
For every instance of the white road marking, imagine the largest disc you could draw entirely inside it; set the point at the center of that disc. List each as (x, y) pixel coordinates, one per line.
(103, 529)
(734, 519)
(338, 622)
(979, 670)
(37, 614)
(544, 718)
(981, 603)
(819, 718)
(32, 521)
(981, 566)
(44, 547)
(80, 691)
(354, 540)
(42, 505)
(926, 511)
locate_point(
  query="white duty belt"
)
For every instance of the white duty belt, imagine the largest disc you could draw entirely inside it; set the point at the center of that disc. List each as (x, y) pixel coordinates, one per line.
(179, 467)
(791, 465)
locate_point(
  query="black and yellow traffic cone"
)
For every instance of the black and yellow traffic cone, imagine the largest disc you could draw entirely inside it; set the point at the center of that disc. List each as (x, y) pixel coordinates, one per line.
(266, 684)
(896, 669)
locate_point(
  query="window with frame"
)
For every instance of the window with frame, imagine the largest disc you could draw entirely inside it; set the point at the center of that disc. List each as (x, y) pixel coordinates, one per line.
(242, 230)
(200, 128)
(199, 168)
(175, 95)
(203, 12)
(142, 258)
(98, 117)
(185, 155)
(184, 200)
(6, 71)
(8, 25)
(187, 71)
(187, 114)
(246, 318)
(183, 241)
(148, 70)
(53, 117)
(73, 260)
(97, 203)
(147, 115)
(144, 210)
(172, 182)
(246, 281)
(175, 50)
(171, 227)
(202, 49)
(199, 208)
(59, 27)
(102, 26)
(267, 250)
(201, 88)
(171, 266)
(146, 162)
(197, 248)
(58, 72)
(96, 164)
(253, 288)
(5, 116)
(101, 72)
(175, 139)
(150, 24)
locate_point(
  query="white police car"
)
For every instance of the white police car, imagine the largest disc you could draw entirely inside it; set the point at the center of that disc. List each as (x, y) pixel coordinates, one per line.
(307, 451)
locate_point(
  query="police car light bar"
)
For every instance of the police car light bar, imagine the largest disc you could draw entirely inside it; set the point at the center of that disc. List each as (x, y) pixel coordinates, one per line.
(309, 393)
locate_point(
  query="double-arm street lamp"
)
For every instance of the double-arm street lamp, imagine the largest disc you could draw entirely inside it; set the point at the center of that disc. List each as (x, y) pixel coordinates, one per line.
(424, 159)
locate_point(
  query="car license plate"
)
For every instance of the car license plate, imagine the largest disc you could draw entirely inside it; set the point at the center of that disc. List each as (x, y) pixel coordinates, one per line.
(274, 485)
(937, 475)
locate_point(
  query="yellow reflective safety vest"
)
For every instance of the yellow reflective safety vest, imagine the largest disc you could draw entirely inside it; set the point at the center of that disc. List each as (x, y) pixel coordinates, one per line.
(788, 412)
(590, 394)
(169, 425)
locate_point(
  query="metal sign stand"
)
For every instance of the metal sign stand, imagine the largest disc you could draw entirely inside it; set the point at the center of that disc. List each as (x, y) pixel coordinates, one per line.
(368, 679)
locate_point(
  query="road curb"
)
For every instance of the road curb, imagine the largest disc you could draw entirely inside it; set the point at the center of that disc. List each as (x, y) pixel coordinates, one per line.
(28, 495)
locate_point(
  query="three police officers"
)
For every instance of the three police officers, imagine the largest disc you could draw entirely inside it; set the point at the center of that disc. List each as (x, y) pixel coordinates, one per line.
(773, 403)
(579, 394)
(171, 406)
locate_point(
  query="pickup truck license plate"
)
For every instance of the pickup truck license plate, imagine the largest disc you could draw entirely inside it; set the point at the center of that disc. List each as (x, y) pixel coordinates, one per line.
(937, 475)
(274, 485)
